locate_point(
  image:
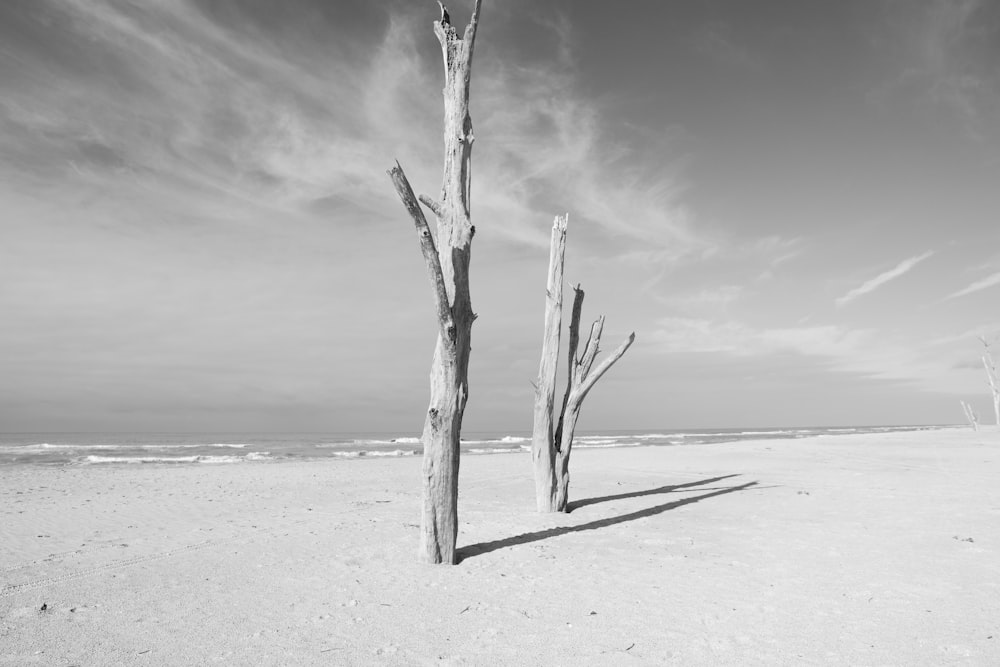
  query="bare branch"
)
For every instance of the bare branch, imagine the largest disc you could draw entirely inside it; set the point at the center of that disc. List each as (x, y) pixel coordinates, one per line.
(405, 192)
(603, 367)
(574, 329)
(571, 372)
(970, 415)
(432, 205)
(470, 30)
(991, 371)
(991, 375)
(590, 352)
(574, 343)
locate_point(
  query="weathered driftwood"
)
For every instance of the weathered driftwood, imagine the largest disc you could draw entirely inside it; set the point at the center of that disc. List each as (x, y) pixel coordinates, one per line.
(543, 432)
(447, 262)
(552, 437)
(992, 378)
(970, 415)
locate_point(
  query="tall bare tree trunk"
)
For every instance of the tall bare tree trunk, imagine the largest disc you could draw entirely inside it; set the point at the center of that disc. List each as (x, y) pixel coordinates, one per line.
(448, 265)
(552, 437)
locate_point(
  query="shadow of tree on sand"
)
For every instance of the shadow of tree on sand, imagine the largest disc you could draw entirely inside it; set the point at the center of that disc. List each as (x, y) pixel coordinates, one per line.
(527, 538)
(574, 505)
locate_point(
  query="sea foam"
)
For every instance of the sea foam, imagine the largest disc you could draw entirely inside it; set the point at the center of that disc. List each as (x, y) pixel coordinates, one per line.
(376, 453)
(93, 459)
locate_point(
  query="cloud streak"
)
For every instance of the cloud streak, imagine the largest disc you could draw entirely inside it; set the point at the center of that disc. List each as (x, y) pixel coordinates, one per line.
(988, 281)
(862, 351)
(871, 285)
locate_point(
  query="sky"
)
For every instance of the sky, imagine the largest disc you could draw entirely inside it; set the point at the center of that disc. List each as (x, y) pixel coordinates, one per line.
(793, 203)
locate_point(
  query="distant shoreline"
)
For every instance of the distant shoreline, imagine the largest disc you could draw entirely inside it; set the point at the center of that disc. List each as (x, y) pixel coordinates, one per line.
(90, 449)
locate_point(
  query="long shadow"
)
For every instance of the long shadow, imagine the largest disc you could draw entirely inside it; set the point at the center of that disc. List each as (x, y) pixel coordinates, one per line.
(577, 504)
(537, 536)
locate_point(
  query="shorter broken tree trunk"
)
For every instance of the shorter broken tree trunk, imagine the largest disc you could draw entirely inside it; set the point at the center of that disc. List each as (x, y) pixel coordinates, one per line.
(551, 446)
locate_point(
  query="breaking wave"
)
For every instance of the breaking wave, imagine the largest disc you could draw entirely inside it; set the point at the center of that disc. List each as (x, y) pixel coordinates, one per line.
(94, 459)
(376, 453)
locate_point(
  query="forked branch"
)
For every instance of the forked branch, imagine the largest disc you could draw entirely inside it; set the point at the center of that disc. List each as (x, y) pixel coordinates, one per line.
(603, 367)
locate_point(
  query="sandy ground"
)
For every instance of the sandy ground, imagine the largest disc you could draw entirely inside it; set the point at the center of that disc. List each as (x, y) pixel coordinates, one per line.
(849, 550)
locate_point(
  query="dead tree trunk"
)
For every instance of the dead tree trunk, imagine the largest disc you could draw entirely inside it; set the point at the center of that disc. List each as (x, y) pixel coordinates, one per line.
(543, 432)
(991, 377)
(448, 265)
(552, 436)
(970, 415)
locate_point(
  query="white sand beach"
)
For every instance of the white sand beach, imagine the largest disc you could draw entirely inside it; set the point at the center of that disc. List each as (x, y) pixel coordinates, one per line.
(834, 550)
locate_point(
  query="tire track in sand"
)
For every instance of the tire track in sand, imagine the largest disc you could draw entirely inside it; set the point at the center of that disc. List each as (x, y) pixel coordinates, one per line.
(10, 589)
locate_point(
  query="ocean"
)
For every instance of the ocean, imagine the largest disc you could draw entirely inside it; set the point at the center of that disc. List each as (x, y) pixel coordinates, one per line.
(88, 449)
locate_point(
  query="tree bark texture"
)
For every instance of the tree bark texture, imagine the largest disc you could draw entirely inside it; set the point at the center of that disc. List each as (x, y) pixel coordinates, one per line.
(447, 262)
(552, 436)
(543, 433)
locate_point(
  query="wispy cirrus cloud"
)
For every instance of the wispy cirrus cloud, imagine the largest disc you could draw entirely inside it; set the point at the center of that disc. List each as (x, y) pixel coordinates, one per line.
(171, 96)
(979, 285)
(865, 352)
(678, 335)
(871, 285)
(552, 150)
(743, 262)
(173, 93)
(706, 301)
